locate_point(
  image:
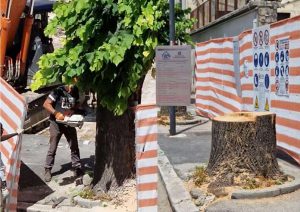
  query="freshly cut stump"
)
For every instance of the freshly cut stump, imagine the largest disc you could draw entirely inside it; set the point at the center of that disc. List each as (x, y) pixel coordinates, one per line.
(243, 142)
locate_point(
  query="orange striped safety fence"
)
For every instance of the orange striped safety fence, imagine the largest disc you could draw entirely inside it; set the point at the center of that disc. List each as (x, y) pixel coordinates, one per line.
(217, 91)
(146, 157)
(12, 116)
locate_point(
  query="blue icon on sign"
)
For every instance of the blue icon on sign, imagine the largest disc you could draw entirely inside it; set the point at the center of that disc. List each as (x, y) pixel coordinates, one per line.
(277, 71)
(281, 56)
(255, 59)
(287, 71)
(281, 70)
(256, 80)
(261, 59)
(267, 81)
(287, 55)
(267, 59)
(277, 57)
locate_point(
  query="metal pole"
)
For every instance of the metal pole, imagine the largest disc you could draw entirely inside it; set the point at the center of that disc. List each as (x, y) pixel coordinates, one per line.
(172, 109)
(172, 22)
(8, 9)
(31, 7)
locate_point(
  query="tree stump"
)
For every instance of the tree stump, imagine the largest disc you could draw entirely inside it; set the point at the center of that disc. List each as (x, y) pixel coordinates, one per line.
(243, 142)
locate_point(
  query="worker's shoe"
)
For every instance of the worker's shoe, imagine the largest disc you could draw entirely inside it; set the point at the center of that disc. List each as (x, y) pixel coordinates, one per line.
(47, 175)
(78, 172)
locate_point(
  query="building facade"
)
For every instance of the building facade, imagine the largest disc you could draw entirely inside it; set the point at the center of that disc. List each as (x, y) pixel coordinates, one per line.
(225, 18)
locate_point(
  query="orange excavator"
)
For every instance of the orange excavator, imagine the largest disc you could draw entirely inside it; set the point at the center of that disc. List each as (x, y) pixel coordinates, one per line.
(22, 43)
(22, 39)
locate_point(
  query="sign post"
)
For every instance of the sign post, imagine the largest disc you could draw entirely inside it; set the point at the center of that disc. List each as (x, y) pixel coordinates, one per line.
(172, 109)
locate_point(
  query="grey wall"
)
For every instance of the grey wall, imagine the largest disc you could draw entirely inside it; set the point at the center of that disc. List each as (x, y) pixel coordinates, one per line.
(232, 26)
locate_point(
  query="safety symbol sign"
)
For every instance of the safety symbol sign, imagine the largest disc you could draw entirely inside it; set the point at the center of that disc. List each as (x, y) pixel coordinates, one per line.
(267, 81)
(282, 56)
(267, 107)
(261, 68)
(255, 59)
(261, 39)
(267, 59)
(266, 37)
(281, 71)
(282, 66)
(287, 55)
(255, 80)
(276, 57)
(261, 59)
(255, 39)
(256, 103)
(277, 71)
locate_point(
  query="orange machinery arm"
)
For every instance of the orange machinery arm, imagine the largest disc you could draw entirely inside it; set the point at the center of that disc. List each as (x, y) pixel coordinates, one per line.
(11, 11)
(4, 28)
(26, 39)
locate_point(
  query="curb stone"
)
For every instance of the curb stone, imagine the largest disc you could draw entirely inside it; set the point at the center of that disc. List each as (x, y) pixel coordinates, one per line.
(180, 199)
(290, 187)
(195, 120)
(24, 206)
(271, 192)
(264, 193)
(86, 203)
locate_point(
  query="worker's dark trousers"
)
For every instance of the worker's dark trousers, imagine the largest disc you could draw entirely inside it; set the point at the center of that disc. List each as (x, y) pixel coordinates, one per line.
(56, 131)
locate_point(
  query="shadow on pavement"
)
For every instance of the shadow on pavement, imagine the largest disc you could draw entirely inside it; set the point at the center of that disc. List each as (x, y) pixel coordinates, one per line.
(193, 126)
(31, 187)
(284, 156)
(30, 179)
(87, 166)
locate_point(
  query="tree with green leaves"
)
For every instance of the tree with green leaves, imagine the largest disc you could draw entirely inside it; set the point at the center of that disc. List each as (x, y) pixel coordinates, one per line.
(109, 47)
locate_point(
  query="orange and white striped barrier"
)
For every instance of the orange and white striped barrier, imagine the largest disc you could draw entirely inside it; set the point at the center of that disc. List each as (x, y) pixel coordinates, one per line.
(12, 116)
(216, 91)
(287, 109)
(146, 157)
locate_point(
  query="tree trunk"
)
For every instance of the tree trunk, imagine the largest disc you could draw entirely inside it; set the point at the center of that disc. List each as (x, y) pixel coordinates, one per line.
(115, 149)
(242, 143)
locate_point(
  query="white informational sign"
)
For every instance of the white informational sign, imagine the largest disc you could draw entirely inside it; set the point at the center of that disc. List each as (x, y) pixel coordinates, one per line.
(261, 68)
(173, 75)
(282, 47)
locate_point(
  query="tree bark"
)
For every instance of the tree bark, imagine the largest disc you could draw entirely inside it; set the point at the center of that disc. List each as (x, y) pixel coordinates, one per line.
(243, 143)
(115, 149)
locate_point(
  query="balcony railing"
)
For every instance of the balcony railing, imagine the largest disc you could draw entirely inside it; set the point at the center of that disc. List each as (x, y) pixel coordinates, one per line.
(211, 10)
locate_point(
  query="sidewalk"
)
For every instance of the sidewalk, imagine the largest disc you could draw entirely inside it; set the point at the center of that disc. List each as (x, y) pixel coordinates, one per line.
(36, 195)
(58, 195)
(190, 148)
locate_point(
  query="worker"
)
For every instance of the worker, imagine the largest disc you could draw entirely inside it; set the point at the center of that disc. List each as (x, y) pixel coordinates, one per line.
(62, 102)
(3, 138)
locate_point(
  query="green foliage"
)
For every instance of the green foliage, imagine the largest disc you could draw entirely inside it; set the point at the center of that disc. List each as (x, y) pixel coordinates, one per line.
(86, 194)
(262, 182)
(199, 176)
(110, 44)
